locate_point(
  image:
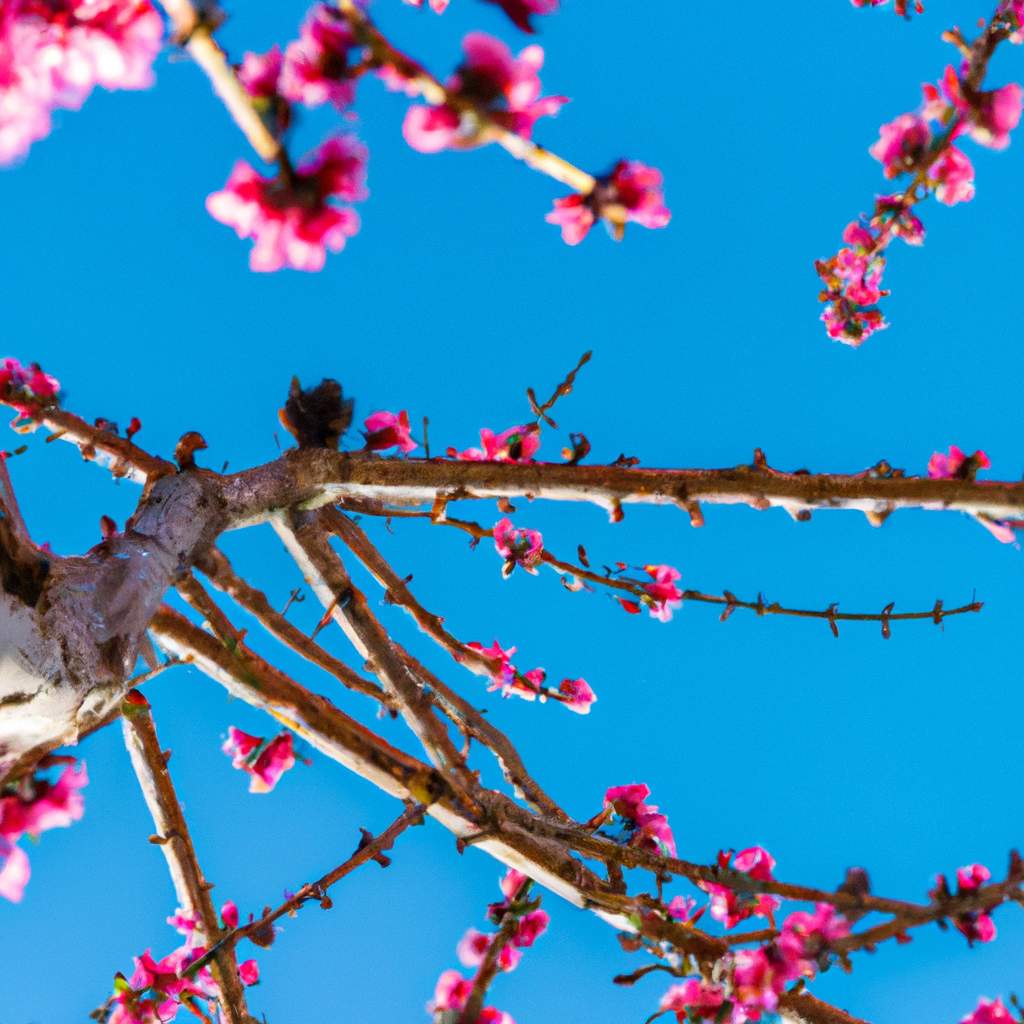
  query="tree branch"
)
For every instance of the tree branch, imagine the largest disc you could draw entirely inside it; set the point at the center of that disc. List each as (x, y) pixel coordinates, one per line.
(191, 888)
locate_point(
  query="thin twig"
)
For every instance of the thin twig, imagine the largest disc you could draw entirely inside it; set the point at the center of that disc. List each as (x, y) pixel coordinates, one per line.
(366, 851)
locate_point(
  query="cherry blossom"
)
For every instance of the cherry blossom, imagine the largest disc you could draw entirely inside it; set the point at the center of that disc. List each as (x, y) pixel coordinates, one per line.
(473, 946)
(512, 883)
(902, 144)
(27, 388)
(259, 72)
(520, 547)
(229, 914)
(516, 444)
(953, 176)
(666, 596)
(630, 193)
(249, 972)
(578, 696)
(264, 760)
(388, 430)
(643, 825)
(14, 870)
(490, 87)
(956, 465)
(315, 68)
(693, 1000)
(731, 907)
(531, 927)
(289, 217)
(31, 807)
(989, 1011)
(52, 55)
(519, 11)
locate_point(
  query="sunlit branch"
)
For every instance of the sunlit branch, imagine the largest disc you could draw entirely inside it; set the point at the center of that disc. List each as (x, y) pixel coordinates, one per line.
(174, 839)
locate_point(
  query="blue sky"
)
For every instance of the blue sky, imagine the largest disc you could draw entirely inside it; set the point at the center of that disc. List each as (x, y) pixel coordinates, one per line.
(900, 756)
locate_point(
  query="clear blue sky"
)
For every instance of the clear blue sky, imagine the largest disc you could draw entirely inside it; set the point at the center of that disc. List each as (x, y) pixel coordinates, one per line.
(901, 756)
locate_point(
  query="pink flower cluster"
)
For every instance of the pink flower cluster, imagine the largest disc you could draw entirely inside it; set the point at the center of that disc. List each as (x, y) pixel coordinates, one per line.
(517, 444)
(520, 547)
(575, 694)
(387, 430)
(529, 923)
(754, 979)
(490, 87)
(974, 925)
(729, 906)
(32, 806)
(26, 388)
(643, 824)
(53, 53)
(156, 990)
(990, 1011)
(519, 11)
(630, 192)
(289, 217)
(908, 145)
(313, 70)
(265, 761)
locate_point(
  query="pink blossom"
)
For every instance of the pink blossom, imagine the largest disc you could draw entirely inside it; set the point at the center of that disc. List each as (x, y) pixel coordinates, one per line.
(645, 826)
(729, 906)
(26, 388)
(627, 800)
(452, 991)
(681, 907)
(184, 923)
(987, 117)
(902, 144)
(665, 594)
(577, 694)
(264, 760)
(972, 876)
(805, 937)
(386, 430)
(511, 882)
(14, 870)
(759, 978)
(989, 1011)
(249, 972)
(531, 927)
(46, 806)
(504, 670)
(291, 221)
(315, 69)
(473, 946)
(517, 444)
(517, 546)
(956, 464)
(953, 175)
(693, 1000)
(631, 192)
(259, 72)
(905, 224)
(54, 55)
(498, 87)
(229, 912)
